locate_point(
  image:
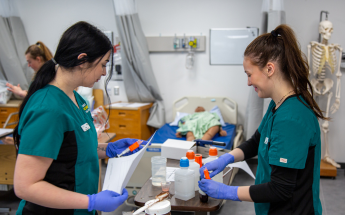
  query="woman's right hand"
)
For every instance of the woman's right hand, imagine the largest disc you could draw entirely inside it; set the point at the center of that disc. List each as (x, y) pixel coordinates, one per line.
(106, 200)
(7, 140)
(217, 165)
(16, 90)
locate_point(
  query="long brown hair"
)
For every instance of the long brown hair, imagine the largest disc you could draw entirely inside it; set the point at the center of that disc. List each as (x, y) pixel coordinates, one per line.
(282, 47)
(39, 50)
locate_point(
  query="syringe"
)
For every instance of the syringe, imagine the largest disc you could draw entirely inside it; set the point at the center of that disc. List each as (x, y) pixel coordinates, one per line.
(207, 174)
(131, 148)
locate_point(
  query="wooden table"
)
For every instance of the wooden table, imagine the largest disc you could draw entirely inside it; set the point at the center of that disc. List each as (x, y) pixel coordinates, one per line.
(148, 192)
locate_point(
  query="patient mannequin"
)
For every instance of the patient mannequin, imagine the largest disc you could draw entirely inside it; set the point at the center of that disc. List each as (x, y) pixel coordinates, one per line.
(200, 125)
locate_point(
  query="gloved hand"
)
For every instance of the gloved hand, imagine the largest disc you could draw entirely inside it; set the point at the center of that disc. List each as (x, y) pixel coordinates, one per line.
(106, 200)
(219, 190)
(115, 148)
(217, 165)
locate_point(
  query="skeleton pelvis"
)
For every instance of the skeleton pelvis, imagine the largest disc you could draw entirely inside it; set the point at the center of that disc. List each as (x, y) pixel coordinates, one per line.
(321, 88)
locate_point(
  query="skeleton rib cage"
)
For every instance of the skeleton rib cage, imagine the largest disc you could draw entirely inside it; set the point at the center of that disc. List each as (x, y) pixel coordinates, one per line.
(323, 57)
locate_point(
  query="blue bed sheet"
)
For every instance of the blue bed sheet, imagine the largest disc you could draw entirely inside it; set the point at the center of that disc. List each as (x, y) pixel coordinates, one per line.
(169, 132)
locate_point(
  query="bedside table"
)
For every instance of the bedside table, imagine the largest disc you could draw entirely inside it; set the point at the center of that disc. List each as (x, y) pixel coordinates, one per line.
(130, 122)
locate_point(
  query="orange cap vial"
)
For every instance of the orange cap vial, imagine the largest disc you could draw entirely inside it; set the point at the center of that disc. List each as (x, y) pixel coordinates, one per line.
(190, 154)
(213, 151)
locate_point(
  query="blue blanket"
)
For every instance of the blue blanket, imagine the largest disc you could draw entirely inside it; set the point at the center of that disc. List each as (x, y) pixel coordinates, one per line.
(169, 132)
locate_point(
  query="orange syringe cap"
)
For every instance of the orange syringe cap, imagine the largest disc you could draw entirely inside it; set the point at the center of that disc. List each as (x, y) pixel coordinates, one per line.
(135, 145)
(207, 174)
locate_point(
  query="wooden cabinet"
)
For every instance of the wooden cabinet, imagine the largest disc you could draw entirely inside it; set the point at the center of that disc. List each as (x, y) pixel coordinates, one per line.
(128, 122)
(6, 109)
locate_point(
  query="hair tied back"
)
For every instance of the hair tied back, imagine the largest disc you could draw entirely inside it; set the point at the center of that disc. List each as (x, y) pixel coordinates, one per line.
(274, 33)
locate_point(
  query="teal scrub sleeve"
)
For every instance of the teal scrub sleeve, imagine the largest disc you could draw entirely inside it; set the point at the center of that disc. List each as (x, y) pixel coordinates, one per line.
(289, 144)
(41, 132)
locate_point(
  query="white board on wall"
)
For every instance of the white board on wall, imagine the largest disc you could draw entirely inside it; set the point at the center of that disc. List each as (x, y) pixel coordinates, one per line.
(227, 45)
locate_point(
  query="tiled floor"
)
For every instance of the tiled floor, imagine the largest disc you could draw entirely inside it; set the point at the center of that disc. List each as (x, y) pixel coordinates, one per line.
(332, 195)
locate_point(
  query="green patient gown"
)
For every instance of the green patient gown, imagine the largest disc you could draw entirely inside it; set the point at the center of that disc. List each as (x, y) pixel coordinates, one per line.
(198, 123)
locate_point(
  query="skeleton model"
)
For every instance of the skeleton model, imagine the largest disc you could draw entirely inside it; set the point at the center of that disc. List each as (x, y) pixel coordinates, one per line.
(324, 59)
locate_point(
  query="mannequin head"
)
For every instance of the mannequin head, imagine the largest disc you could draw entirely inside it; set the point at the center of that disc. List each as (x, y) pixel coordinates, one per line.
(200, 109)
(326, 29)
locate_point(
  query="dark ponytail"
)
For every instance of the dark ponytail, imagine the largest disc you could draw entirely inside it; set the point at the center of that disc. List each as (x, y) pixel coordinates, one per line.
(81, 37)
(282, 46)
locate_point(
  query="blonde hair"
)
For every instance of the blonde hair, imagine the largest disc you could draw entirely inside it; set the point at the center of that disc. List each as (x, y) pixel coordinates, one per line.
(39, 50)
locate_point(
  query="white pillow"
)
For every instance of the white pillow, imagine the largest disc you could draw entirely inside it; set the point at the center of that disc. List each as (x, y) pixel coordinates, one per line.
(179, 115)
(216, 110)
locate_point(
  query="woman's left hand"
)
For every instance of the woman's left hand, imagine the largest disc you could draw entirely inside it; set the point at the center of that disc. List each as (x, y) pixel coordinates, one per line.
(115, 148)
(219, 190)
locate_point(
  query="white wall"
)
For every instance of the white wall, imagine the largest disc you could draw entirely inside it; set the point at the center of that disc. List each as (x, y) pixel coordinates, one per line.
(46, 20)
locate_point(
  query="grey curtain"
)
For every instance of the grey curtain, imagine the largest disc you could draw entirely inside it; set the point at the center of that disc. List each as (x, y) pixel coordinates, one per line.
(140, 82)
(254, 113)
(13, 43)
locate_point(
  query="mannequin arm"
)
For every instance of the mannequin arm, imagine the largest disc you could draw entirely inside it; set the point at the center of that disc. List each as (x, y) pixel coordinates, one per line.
(336, 103)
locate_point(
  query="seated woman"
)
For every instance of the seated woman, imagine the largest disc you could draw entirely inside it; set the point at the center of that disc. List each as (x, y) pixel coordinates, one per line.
(200, 125)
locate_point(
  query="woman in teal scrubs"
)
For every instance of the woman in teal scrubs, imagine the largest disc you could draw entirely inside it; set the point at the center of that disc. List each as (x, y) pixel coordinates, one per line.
(57, 166)
(287, 141)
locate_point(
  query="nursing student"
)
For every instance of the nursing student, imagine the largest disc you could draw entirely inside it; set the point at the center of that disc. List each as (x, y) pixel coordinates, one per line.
(287, 141)
(36, 55)
(57, 165)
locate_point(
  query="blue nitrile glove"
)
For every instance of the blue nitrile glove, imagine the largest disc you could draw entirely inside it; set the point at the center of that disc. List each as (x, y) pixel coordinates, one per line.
(106, 200)
(219, 190)
(217, 165)
(115, 148)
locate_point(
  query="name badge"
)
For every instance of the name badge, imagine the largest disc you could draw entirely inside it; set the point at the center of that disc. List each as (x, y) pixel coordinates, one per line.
(85, 127)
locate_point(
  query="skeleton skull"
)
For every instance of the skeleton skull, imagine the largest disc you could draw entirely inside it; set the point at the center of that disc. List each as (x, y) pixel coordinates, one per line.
(326, 29)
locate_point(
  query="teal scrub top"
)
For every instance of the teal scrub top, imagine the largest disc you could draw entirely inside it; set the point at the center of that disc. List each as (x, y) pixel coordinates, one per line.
(52, 126)
(285, 138)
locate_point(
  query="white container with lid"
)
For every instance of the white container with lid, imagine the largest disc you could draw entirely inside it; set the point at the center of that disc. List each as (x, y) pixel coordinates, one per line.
(195, 167)
(160, 208)
(184, 181)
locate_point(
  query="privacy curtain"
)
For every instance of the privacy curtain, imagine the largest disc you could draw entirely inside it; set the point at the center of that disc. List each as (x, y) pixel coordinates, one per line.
(13, 44)
(256, 106)
(140, 82)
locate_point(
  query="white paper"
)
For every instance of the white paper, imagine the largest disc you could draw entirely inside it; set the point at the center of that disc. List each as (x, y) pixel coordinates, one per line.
(5, 131)
(171, 173)
(137, 104)
(119, 104)
(242, 165)
(120, 170)
(123, 104)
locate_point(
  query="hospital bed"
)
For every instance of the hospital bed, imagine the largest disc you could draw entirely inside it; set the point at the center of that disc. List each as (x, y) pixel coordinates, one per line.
(228, 108)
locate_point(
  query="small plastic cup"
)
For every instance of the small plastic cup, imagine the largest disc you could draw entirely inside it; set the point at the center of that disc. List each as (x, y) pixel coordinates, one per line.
(166, 186)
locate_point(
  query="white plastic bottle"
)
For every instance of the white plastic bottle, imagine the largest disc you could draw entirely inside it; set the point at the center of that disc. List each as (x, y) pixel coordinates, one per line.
(213, 155)
(194, 166)
(184, 187)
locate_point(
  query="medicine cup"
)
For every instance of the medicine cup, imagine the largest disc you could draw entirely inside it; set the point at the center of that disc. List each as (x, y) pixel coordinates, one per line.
(165, 186)
(158, 170)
